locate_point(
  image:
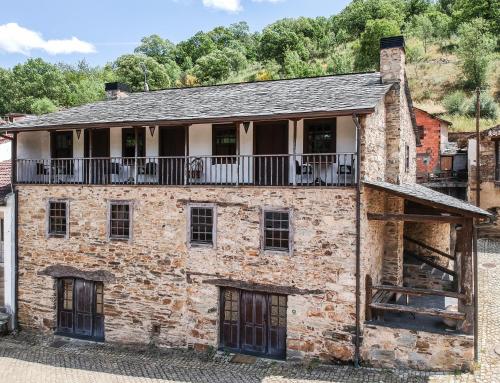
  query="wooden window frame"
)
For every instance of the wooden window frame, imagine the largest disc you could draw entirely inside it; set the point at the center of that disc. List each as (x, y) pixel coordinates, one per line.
(306, 141)
(130, 204)
(48, 233)
(223, 127)
(137, 130)
(263, 246)
(193, 245)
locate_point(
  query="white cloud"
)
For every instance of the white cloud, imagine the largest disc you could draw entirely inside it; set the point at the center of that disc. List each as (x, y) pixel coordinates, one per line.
(225, 5)
(16, 39)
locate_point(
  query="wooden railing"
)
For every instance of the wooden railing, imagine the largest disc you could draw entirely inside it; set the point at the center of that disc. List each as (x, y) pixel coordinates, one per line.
(380, 302)
(313, 170)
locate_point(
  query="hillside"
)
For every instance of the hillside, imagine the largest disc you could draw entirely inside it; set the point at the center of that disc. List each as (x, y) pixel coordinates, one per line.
(452, 47)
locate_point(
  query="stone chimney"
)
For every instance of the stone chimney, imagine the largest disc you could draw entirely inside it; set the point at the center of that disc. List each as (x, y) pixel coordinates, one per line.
(116, 90)
(392, 59)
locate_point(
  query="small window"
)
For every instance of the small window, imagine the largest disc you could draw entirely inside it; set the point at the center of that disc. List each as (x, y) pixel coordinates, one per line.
(68, 294)
(1, 230)
(119, 220)
(202, 225)
(277, 230)
(58, 219)
(497, 160)
(421, 132)
(224, 143)
(407, 158)
(99, 301)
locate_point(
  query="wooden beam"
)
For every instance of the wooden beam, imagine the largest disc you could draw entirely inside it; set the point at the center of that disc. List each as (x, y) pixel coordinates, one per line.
(425, 246)
(419, 292)
(414, 217)
(432, 264)
(418, 310)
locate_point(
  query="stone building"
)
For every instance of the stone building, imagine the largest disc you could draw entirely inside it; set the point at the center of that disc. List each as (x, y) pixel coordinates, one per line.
(441, 164)
(264, 218)
(489, 175)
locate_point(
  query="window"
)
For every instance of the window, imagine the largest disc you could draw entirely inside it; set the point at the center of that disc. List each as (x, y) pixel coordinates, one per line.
(68, 294)
(119, 220)
(58, 219)
(223, 142)
(276, 230)
(134, 139)
(320, 136)
(421, 132)
(407, 158)
(497, 160)
(1, 230)
(202, 225)
(62, 144)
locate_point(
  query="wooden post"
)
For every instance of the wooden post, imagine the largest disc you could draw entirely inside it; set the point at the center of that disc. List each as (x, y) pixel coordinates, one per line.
(466, 280)
(294, 148)
(14, 159)
(238, 129)
(186, 154)
(369, 296)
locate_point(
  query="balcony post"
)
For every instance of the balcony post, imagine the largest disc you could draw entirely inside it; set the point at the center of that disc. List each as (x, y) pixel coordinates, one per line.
(294, 148)
(14, 159)
(186, 154)
(238, 129)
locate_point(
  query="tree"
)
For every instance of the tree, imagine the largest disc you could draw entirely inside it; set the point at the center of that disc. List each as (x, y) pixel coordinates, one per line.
(340, 62)
(368, 51)
(354, 18)
(294, 67)
(162, 50)
(7, 91)
(475, 47)
(212, 68)
(42, 106)
(129, 69)
(421, 26)
(464, 11)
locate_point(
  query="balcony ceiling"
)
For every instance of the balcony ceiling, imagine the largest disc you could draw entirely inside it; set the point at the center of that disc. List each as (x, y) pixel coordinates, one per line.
(284, 98)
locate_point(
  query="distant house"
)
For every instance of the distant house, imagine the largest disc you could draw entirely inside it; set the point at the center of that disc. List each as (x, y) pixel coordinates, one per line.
(441, 164)
(489, 175)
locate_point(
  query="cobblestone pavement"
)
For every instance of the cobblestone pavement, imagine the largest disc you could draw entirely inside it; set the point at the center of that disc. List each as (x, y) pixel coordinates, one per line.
(33, 359)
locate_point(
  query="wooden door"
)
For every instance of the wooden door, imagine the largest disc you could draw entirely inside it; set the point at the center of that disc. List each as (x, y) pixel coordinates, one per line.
(253, 322)
(253, 325)
(271, 138)
(80, 308)
(97, 149)
(172, 141)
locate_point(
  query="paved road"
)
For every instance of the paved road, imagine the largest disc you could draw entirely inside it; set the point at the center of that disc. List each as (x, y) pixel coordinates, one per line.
(32, 359)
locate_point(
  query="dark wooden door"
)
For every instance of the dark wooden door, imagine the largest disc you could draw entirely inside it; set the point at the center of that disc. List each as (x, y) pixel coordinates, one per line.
(271, 138)
(97, 148)
(172, 141)
(80, 308)
(253, 322)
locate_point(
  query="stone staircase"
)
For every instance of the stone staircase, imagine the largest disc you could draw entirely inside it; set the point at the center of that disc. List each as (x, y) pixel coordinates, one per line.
(4, 321)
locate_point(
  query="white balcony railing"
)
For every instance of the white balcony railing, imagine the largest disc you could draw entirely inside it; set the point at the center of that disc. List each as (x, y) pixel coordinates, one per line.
(329, 169)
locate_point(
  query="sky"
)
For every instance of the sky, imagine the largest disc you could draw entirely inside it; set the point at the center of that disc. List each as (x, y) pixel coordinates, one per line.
(101, 30)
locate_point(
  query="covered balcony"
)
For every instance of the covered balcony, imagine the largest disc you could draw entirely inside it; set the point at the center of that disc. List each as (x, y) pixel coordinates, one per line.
(304, 152)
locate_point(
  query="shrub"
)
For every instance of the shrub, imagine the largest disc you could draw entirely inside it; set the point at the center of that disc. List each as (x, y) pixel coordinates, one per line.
(42, 106)
(489, 109)
(455, 103)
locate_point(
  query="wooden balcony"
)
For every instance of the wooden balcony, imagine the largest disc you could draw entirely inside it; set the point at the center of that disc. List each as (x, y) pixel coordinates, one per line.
(304, 170)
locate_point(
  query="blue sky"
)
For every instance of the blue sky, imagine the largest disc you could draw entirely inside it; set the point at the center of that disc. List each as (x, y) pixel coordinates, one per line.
(101, 30)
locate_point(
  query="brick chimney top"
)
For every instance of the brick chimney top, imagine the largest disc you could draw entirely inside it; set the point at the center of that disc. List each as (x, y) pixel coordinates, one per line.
(116, 90)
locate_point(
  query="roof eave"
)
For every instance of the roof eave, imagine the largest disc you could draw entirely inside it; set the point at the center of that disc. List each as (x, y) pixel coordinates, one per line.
(187, 121)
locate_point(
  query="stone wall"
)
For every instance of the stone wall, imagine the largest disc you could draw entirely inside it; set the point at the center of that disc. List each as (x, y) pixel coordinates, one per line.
(387, 347)
(436, 235)
(158, 280)
(373, 148)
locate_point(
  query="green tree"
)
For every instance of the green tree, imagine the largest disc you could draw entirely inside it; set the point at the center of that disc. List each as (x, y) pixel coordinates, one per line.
(368, 51)
(129, 69)
(341, 61)
(295, 67)
(475, 48)
(42, 106)
(354, 18)
(212, 68)
(7, 91)
(464, 11)
(421, 27)
(162, 50)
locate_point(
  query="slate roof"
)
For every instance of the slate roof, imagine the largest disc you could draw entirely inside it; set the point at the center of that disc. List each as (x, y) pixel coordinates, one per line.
(426, 196)
(267, 98)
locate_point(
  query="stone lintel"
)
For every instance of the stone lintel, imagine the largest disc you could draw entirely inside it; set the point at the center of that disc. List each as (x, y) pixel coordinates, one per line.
(243, 285)
(63, 271)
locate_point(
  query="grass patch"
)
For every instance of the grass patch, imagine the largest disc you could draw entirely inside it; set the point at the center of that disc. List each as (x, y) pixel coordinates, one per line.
(467, 124)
